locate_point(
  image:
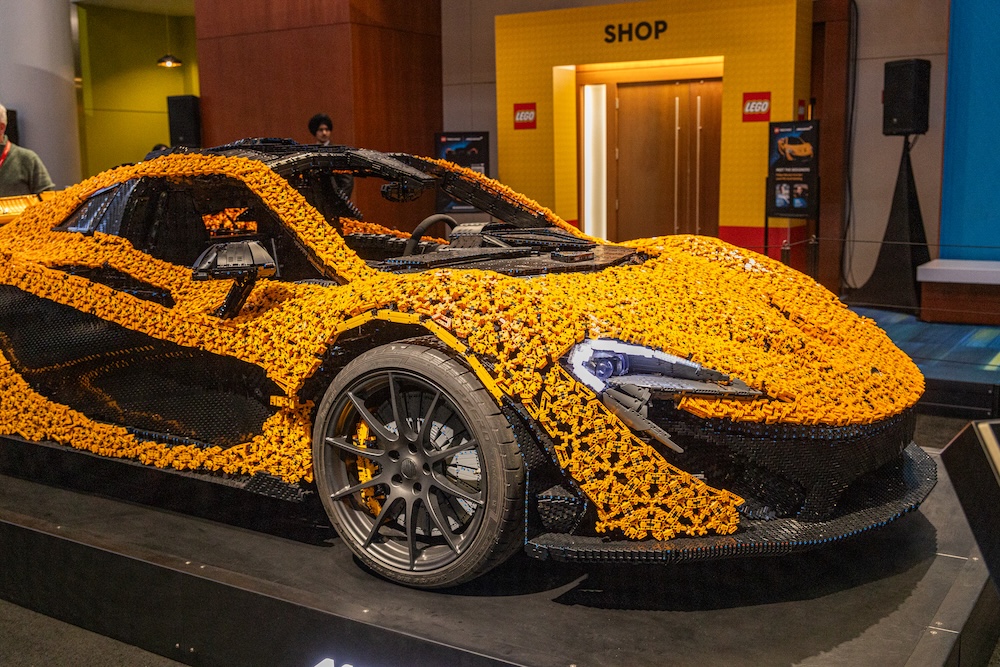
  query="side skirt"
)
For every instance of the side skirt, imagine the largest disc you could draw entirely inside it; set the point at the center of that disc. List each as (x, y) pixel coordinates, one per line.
(60, 465)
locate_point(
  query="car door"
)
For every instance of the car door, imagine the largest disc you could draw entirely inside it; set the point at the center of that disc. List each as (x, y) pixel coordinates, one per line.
(127, 375)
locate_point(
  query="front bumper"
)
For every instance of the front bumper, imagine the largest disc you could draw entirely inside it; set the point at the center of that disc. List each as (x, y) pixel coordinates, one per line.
(873, 500)
(783, 470)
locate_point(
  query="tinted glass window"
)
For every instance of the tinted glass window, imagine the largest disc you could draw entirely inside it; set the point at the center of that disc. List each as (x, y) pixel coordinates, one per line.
(176, 219)
(102, 211)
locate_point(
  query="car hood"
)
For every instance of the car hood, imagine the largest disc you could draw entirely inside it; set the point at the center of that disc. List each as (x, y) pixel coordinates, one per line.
(729, 309)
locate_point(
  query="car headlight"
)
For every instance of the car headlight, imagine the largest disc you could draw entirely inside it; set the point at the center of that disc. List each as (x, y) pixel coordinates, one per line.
(602, 363)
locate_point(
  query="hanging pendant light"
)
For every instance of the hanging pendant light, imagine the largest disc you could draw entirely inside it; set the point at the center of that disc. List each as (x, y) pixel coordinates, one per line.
(169, 60)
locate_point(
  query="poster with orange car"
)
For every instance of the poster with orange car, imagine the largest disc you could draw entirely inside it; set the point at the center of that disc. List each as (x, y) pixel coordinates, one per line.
(793, 169)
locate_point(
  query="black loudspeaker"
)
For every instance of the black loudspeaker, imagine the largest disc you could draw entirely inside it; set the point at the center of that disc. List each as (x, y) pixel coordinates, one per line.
(11, 131)
(906, 97)
(973, 463)
(184, 115)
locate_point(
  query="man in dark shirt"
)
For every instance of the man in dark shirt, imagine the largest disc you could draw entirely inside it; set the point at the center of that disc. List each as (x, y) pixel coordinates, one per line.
(320, 126)
(21, 170)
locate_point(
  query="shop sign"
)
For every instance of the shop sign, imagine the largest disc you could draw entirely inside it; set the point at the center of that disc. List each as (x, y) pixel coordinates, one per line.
(756, 107)
(525, 116)
(793, 170)
(624, 32)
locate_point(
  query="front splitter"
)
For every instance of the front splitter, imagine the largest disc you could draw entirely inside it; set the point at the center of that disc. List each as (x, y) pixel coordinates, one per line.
(884, 496)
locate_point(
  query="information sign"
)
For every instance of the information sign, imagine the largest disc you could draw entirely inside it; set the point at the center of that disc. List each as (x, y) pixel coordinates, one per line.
(466, 149)
(793, 169)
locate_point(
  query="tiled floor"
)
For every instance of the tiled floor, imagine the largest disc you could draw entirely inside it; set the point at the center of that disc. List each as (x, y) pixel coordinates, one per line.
(956, 352)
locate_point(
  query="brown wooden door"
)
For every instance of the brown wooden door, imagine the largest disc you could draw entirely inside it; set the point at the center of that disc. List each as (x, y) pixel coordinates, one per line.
(663, 154)
(706, 104)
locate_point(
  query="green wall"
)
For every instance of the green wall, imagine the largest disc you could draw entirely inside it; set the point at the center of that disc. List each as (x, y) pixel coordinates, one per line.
(124, 93)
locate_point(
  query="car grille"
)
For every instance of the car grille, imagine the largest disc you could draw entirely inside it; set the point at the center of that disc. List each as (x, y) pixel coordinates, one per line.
(782, 470)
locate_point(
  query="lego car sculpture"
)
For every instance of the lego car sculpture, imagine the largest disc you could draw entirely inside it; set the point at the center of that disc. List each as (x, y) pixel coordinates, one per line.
(227, 313)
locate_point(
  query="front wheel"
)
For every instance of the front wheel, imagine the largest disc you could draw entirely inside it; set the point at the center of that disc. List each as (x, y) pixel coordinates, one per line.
(417, 468)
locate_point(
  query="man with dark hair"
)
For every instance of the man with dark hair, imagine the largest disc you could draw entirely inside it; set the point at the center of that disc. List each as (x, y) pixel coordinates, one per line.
(21, 170)
(320, 126)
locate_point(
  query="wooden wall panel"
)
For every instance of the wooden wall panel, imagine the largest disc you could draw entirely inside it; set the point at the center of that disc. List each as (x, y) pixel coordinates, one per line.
(256, 85)
(960, 303)
(220, 18)
(831, 10)
(831, 30)
(422, 16)
(373, 65)
(393, 72)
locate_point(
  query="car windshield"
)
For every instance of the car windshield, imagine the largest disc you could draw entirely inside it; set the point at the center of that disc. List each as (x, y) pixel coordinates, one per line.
(310, 170)
(512, 234)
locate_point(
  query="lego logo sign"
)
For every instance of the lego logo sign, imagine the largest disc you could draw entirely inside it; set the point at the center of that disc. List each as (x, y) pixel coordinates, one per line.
(756, 107)
(525, 116)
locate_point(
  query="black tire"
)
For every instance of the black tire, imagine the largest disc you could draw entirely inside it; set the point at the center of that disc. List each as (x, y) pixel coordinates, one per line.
(438, 504)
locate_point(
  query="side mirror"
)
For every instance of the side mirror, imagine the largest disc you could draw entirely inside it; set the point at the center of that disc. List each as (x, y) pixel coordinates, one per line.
(234, 259)
(241, 261)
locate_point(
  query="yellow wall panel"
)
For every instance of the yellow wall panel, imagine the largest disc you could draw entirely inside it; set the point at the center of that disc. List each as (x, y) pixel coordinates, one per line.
(765, 46)
(124, 93)
(564, 141)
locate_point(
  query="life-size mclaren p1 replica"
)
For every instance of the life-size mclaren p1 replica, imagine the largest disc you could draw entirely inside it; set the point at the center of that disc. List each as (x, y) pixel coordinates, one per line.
(226, 313)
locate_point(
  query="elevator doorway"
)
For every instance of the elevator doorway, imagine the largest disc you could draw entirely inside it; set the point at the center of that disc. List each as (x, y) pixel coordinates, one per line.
(661, 154)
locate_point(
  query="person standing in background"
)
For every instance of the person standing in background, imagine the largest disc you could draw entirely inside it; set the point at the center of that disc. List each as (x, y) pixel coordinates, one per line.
(321, 126)
(21, 170)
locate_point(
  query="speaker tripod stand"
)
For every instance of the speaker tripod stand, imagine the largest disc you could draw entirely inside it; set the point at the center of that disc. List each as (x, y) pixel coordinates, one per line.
(893, 284)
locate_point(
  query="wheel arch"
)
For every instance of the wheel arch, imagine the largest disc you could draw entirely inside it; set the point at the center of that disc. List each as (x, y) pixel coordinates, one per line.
(376, 328)
(380, 327)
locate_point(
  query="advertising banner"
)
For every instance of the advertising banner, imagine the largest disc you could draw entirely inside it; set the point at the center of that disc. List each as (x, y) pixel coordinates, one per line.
(793, 170)
(466, 149)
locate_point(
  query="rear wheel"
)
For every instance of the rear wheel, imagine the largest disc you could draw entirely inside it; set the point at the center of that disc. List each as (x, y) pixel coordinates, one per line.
(417, 468)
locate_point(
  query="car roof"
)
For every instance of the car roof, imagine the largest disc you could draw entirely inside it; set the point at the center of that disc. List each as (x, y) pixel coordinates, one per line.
(410, 174)
(286, 158)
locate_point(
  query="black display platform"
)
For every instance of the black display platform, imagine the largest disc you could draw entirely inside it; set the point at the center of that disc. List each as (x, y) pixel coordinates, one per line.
(973, 459)
(228, 587)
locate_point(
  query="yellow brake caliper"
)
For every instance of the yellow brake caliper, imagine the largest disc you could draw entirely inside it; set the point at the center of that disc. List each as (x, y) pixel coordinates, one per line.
(366, 468)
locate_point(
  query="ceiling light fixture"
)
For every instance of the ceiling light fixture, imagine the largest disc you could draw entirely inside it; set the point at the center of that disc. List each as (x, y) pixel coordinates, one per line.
(169, 60)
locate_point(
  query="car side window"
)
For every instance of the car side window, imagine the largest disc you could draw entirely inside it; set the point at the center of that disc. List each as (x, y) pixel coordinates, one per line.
(102, 211)
(160, 220)
(175, 219)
